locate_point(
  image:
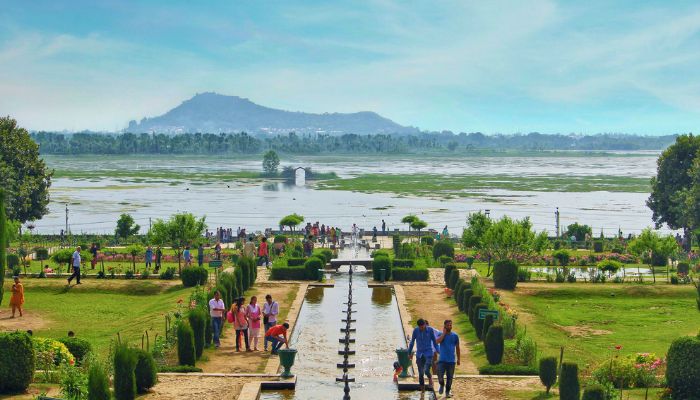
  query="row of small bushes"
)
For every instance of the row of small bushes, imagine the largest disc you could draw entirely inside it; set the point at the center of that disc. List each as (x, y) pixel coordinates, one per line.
(288, 273)
(410, 274)
(402, 263)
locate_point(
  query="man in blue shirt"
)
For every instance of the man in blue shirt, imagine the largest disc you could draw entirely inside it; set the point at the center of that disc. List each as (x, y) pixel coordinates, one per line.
(426, 343)
(75, 263)
(449, 344)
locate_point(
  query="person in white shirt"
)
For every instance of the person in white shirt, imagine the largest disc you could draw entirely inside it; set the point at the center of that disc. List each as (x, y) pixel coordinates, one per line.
(270, 311)
(216, 310)
(75, 263)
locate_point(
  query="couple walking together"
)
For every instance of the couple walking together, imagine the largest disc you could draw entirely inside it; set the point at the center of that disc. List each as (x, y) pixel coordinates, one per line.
(431, 343)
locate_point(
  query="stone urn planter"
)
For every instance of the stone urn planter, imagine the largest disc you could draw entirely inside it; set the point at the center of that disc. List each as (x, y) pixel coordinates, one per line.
(404, 361)
(287, 360)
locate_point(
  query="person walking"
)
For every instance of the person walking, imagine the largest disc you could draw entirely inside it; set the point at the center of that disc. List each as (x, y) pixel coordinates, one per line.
(249, 248)
(449, 345)
(425, 341)
(383, 228)
(17, 299)
(374, 234)
(159, 257)
(270, 311)
(253, 313)
(75, 263)
(240, 323)
(217, 250)
(93, 251)
(216, 310)
(200, 255)
(278, 336)
(445, 233)
(187, 256)
(263, 252)
(436, 349)
(149, 257)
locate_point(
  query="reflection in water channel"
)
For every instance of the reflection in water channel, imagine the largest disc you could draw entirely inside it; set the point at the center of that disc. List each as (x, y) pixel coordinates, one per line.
(316, 335)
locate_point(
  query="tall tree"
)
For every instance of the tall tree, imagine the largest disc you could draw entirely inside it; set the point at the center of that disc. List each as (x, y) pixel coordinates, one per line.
(671, 187)
(179, 231)
(3, 243)
(23, 173)
(126, 227)
(271, 162)
(650, 244)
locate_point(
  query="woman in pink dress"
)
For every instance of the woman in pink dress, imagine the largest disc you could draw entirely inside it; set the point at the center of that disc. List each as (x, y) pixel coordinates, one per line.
(253, 313)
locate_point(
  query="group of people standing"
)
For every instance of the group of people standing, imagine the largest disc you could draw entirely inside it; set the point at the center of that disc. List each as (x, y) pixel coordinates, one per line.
(435, 351)
(247, 321)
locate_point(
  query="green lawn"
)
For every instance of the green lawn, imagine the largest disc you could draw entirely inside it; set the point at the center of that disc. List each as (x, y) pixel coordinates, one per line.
(99, 309)
(590, 319)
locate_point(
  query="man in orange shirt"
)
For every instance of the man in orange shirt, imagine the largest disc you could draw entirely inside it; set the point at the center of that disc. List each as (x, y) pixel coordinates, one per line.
(263, 254)
(277, 335)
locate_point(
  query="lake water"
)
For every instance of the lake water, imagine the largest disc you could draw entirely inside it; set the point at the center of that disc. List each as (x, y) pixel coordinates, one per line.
(95, 203)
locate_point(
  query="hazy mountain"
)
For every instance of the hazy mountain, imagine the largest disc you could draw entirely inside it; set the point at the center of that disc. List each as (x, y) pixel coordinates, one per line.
(213, 113)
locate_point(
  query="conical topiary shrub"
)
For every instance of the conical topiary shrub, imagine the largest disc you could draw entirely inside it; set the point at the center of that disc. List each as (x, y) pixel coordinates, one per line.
(198, 322)
(488, 321)
(124, 376)
(494, 344)
(466, 295)
(548, 372)
(569, 387)
(185, 345)
(98, 383)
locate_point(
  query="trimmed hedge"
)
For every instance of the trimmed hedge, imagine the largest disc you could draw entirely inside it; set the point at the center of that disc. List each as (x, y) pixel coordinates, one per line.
(479, 323)
(683, 368)
(185, 345)
(193, 276)
(548, 372)
(403, 263)
(594, 392)
(325, 254)
(494, 344)
(488, 322)
(238, 275)
(505, 274)
(311, 266)
(473, 301)
(78, 347)
(466, 296)
(145, 371)
(288, 273)
(507, 369)
(598, 246)
(295, 262)
(458, 287)
(179, 368)
(448, 273)
(228, 282)
(198, 322)
(98, 383)
(569, 387)
(454, 278)
(410, 274)
(429, 240)
(443, 248)
(280, 239)
(381, 262)
(16, 362)
(124, 376)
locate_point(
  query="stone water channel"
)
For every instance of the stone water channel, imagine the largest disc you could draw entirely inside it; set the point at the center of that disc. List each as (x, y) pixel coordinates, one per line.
(316, 337)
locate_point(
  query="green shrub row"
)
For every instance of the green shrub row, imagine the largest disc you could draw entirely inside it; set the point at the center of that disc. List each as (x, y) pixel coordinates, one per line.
(288, 273)
(507, 369)
(193, 276)
(410, 274)
(179, 369)
(402, 263)
(295, 262)
(448, 273)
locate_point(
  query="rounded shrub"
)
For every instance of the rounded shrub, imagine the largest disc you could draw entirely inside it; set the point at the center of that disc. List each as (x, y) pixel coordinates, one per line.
(494, 344)
(98, 383)
(488, 322)
(295, 262)
(146, 371)
(124, 376)
(78, 347)
(505, 274)
(479, 323)
(381, 262)
(594, 392)
(280, 239)
(311, 266)
(569, 387)
(454, 277)
(443, 248)
(473, 301)
(193, 276)
(185, 345)
(16, 362)
(198, 322)
(327, 254)
(448, 273)
(41, 253)
(598, 246)
(548, 372)
(12, 260)
(683, 368)
(466, 296)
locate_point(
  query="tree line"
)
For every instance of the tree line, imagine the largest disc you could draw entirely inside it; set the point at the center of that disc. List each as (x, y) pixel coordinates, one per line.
(292, 143)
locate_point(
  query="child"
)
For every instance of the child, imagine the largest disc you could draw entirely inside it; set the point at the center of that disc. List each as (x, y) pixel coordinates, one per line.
(397, 371)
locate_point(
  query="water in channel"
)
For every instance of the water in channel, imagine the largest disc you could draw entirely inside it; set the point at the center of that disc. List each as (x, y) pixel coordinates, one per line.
(379, 334)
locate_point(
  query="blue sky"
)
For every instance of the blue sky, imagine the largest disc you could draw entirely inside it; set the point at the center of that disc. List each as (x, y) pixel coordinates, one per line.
(489, 66)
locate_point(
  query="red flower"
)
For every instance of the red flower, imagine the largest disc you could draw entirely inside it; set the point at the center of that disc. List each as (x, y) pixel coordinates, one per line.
(618, 347)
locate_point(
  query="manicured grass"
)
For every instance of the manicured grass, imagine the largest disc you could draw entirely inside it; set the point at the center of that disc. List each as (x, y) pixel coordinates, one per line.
(474, 185)
(628, 394)
(99, 309)
(590, 319)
